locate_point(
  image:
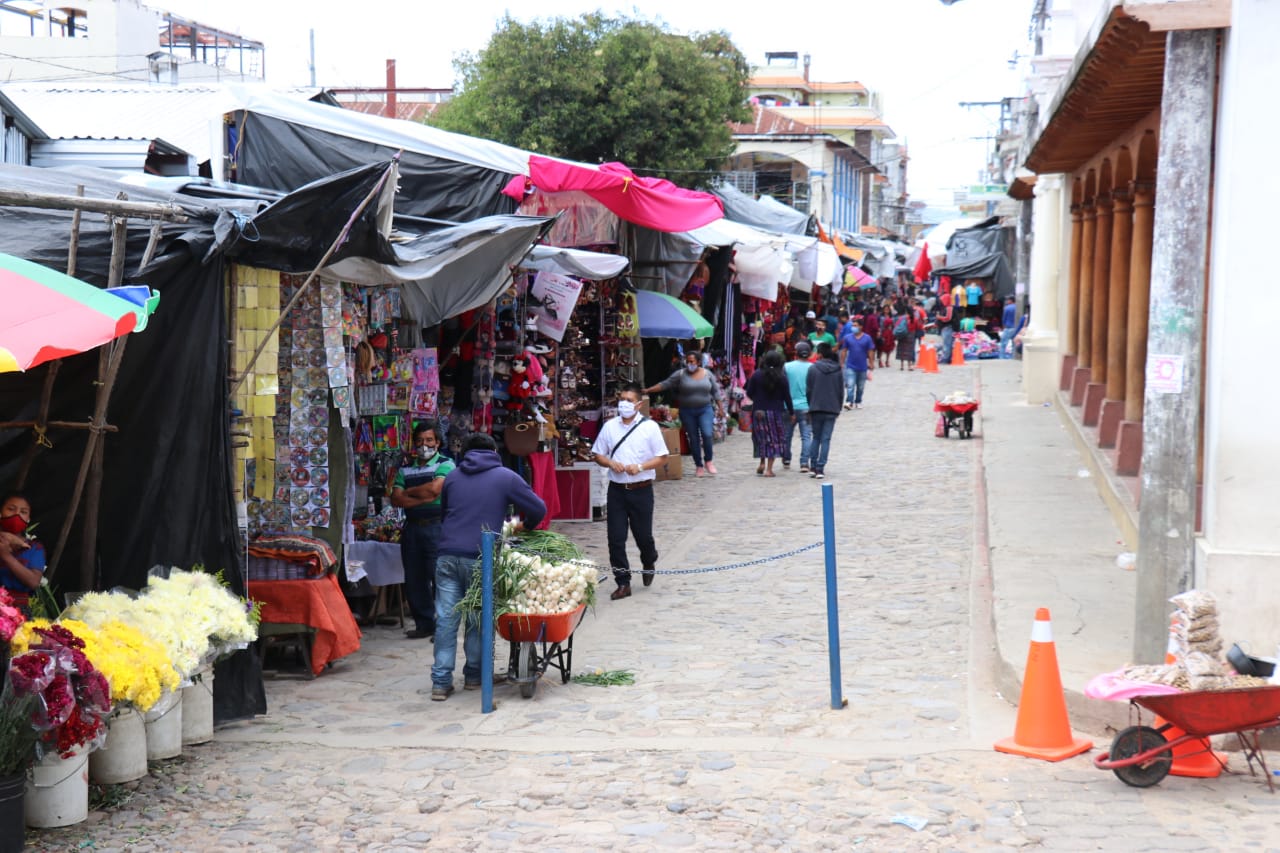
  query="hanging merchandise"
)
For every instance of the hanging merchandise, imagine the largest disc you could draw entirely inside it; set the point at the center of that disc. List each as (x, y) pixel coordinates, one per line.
(552, 298)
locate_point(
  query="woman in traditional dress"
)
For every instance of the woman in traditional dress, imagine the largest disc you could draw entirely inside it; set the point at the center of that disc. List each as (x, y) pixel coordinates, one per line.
(771, 411)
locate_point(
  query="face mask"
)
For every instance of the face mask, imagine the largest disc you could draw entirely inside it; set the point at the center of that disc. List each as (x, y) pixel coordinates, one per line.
(13, 524)
(425, 452)
(857, 330)
(691, 368)
(627, 409)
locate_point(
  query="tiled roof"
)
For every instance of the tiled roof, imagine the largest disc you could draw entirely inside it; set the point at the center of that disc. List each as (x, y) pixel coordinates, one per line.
(766, 120)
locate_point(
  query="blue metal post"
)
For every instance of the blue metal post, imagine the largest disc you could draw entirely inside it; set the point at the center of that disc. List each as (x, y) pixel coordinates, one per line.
(487, 540)
(833, 606)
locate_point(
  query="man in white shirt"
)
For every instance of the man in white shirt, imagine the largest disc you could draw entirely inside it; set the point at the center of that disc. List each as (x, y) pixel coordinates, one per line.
(631, 447)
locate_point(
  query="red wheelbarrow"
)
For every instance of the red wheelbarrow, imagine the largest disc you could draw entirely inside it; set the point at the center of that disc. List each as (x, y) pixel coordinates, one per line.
(1141, 756)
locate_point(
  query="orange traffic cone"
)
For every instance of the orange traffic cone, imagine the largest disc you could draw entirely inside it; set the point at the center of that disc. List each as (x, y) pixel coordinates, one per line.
(1204, 763)
(1043, 730)
(928, 358)
(957, 354)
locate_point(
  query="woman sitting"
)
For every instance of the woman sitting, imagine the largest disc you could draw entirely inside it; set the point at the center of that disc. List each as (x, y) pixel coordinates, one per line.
(21, 557)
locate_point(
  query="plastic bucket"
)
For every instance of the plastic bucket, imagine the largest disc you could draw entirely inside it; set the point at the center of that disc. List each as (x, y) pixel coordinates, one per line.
(13, 820)
(197, 710)
(58, 791)
(123, 756)
(163, 724)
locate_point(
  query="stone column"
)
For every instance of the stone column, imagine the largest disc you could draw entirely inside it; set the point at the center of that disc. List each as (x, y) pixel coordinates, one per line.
(1040, 372)
(1171, 412)
(1084, 310)
(1097, 387)
(1117, 317)
(1129, 441)
(1070, 318)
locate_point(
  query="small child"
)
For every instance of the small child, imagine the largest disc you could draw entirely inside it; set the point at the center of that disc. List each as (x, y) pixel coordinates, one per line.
(21, 570)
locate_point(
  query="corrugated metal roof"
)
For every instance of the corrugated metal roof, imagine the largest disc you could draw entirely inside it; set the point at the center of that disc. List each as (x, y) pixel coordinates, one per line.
(188, 117)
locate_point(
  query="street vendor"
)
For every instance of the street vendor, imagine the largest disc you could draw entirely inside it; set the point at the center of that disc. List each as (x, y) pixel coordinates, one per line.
(22, 560)
(416, 490)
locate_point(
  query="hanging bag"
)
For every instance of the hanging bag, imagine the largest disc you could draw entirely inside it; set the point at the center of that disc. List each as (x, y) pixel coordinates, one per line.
(521, 439)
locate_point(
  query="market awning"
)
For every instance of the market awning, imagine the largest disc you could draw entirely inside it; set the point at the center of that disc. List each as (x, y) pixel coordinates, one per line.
(452, 270)
(663, 316)
(596, 266)
(50, 315)
(651, 202)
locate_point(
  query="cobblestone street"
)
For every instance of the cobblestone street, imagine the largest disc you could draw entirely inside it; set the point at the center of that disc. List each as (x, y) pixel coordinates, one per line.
(726, 741)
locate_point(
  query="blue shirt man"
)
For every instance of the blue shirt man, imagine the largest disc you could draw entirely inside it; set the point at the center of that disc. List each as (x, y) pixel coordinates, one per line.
(857, 347)
(1010, 316)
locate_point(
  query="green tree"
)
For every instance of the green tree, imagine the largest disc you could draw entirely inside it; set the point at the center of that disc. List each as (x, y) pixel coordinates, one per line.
(595, 89)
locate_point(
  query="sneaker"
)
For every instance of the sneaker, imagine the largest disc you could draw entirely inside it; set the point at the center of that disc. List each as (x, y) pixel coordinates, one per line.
(711, 468)
(700, 472)
(848, 406)
(820, 476)
(814, 474)
(804, 469)
(439, 694)
(858, 406)
(786, 465)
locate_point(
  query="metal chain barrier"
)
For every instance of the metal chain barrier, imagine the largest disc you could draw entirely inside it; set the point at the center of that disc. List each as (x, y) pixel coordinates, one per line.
(606, 571)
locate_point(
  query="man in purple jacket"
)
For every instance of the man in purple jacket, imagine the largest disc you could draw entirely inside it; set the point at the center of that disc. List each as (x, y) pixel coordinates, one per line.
(475, 498)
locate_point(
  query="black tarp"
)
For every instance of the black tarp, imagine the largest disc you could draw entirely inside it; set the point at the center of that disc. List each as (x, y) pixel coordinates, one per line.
(979, 252)
(282, 155)
(167, 492)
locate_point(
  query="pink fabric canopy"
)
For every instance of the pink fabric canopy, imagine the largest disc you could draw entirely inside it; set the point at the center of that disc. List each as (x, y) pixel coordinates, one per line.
(652, 202)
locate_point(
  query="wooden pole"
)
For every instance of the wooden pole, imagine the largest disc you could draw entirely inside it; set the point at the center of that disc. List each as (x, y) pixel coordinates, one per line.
(73, 250)
(113, 207)
(1171, 414)
(51, 370)
(1118, 298)
(1144, 195)
(108, 363)
(1084, 313)
(1101, 283)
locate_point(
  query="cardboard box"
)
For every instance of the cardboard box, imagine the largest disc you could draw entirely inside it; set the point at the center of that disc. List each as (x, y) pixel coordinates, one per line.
(671, 435)
(672, 470)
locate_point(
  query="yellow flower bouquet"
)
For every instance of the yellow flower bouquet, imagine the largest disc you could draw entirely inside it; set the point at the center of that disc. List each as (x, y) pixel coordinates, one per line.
(167, 623)
(137, 668)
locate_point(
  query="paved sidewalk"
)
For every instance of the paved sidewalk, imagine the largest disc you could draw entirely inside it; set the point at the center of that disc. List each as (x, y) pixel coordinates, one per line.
(1054, 544)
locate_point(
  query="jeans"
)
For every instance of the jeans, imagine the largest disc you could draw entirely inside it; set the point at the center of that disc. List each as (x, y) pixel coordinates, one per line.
(453, 578)
(698, 423)
(629, 508)
(806, 439)
(854, 382)
(418, 553)
(824, 423)
(948, 338)
(1006, 343)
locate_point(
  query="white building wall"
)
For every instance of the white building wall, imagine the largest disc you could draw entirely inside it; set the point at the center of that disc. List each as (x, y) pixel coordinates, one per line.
(1238, 556)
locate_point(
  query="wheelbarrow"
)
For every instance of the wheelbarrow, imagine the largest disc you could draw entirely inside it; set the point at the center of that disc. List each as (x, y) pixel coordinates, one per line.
(1141, 755)
(539, 642)
(955, 416)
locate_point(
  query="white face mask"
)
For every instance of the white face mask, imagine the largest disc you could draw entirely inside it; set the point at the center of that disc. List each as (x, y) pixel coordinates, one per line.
(627, 409)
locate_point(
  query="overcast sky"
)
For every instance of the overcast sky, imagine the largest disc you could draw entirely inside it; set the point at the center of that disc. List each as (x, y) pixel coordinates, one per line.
(923, 56)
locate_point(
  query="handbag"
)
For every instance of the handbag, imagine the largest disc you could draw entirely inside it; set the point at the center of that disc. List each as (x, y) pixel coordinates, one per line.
(521, 439)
